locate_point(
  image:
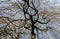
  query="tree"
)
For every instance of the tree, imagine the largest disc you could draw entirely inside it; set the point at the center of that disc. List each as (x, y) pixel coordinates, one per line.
(27, 19)
(33, 19)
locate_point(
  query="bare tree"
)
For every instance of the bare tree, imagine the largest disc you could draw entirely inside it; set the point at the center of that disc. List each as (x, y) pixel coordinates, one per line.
(28, 19)
(33, 16)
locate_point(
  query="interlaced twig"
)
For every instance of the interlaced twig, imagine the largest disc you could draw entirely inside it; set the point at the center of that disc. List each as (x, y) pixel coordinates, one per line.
(26, 6)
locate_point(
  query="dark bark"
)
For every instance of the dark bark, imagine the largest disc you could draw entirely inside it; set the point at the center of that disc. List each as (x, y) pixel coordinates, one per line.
(26, 6)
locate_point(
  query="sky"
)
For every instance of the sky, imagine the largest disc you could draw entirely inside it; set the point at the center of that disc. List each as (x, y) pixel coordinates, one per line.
(55, 0)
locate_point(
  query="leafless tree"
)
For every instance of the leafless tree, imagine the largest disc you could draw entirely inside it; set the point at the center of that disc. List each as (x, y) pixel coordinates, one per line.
(30, 9)
(35, 23)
